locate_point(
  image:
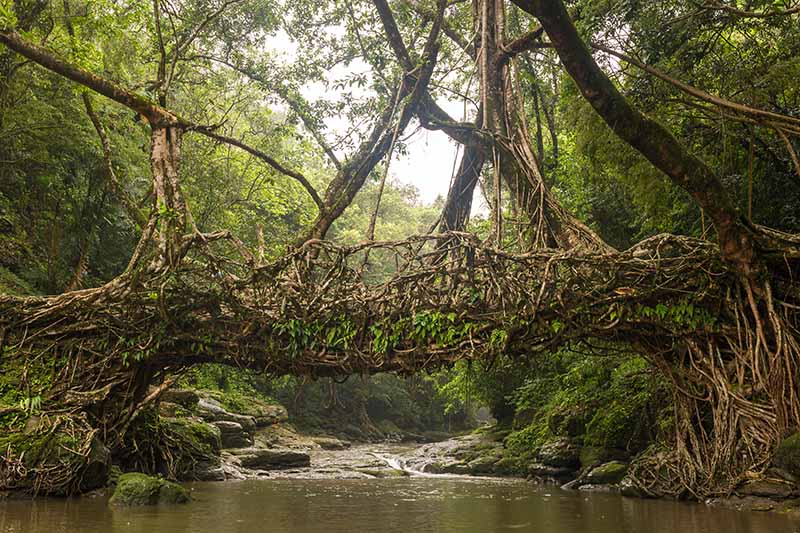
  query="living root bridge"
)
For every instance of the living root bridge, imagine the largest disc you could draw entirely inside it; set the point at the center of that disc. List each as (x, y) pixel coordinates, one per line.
(317, 311)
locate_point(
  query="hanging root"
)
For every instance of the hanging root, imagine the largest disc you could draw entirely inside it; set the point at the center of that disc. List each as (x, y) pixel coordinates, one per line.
(735, 398)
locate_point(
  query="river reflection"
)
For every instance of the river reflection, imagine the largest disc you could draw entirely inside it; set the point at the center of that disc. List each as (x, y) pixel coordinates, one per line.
(385, 506)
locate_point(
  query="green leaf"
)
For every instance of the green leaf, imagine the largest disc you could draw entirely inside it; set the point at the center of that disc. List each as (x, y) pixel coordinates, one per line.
(8, 19)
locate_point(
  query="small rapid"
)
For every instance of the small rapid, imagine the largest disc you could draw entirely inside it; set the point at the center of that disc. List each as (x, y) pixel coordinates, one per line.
(404, 465)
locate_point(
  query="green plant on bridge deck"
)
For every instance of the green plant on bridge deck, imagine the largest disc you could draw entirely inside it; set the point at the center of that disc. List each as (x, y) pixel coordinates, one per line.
(682, 313)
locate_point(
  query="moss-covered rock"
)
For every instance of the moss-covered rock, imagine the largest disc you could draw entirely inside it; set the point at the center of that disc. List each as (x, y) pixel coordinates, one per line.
(135, 488)
(233, 435)
(205, 437)
(264, 413)
(186, 398)
(787, 456)
(777, 489)
(212, 410)
(540, 471)
(567, 421)
(607, 474)
(509, 466)
(485, 462)
(560, 452)
(592, 456)
(271, 458)
(178, 448)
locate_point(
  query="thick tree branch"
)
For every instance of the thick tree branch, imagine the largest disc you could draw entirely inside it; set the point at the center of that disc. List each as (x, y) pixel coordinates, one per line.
(156, 115)
(431, 114)
(650, 138)
(295, 102)
(153, 113)
(523, 43)
(700, 94)
(413, 87)
(468, 46)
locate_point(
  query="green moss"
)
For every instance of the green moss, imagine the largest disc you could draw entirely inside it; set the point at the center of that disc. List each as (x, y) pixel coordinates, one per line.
(510, 466)
(36, 449)
(595, 455)
(528, 440)
(135, 488)
(172, 493)
(787, 456)
(114, 474)
(186, 444)
(56, 460)
(170, 446)
(248, 404)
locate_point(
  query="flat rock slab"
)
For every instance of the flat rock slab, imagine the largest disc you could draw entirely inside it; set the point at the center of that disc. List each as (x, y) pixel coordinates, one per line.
(266, 458)
(768, 488)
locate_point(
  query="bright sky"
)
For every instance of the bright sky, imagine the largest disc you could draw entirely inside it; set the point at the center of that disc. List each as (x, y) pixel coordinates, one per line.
(428, 163)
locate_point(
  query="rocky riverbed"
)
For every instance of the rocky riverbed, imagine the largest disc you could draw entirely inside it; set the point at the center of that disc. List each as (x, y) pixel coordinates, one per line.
(255, 439)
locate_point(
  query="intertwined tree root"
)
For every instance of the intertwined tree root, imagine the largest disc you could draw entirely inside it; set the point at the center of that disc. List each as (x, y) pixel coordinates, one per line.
(730, 350)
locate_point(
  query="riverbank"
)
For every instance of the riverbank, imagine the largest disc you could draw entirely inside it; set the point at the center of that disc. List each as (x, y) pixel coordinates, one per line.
(257, 440)
(229, 437)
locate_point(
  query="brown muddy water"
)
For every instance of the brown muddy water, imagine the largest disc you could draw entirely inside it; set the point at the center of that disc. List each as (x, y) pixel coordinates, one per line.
(425, 504)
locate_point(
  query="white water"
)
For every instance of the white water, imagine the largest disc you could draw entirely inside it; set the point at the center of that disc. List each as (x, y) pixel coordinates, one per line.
(400, 464)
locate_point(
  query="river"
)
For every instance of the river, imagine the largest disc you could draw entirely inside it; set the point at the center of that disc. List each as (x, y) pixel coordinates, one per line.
(386, 506)
(312, 501)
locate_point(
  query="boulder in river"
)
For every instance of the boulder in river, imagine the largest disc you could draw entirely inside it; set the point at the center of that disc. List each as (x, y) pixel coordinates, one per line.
(607, 474)
(483, 465)
(283, 436)
(135, 488)
(454, 467)
(508, 466)
(539, 470)
(211, 470)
